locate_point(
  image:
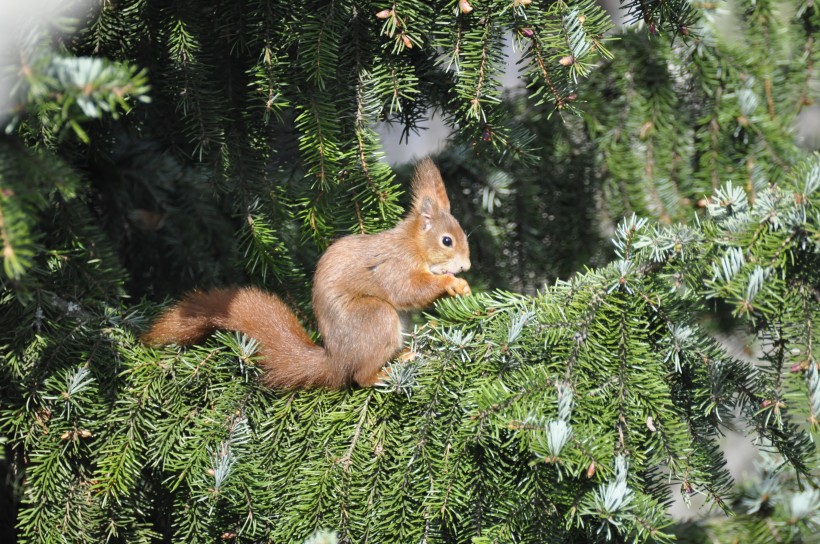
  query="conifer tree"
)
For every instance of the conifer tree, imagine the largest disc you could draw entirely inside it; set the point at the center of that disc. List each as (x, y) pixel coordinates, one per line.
(160, 146)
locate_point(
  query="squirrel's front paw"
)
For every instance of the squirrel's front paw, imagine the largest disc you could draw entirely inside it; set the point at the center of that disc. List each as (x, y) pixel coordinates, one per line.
(458, 286)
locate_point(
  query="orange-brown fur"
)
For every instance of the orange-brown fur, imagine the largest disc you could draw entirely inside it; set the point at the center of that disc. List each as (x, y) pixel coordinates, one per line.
(362, 282)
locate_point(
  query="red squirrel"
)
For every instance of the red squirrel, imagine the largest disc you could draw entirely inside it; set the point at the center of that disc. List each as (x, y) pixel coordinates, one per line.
(361, 284)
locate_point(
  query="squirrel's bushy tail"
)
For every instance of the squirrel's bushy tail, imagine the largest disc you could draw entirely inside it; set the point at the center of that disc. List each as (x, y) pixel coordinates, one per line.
(289, 356)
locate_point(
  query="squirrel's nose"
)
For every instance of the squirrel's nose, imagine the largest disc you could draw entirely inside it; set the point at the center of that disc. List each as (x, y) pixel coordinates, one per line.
(465, 266)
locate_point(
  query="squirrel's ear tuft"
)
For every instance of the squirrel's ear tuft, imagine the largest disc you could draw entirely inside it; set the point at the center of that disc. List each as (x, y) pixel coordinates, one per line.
(429, 194)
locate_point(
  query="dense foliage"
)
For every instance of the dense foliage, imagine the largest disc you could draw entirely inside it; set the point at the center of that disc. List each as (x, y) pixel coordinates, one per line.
(160, 146)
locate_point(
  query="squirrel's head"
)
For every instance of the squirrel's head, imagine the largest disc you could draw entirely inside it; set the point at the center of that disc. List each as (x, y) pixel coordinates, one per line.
(441, 240)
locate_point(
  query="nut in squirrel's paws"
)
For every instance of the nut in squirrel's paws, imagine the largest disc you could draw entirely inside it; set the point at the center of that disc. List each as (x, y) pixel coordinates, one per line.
(458, 286)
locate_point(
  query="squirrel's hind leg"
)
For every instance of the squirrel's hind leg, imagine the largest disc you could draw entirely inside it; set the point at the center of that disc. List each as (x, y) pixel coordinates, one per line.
(366, 355)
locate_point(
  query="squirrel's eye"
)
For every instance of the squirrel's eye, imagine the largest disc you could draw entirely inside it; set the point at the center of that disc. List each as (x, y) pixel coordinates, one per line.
(447, 241)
